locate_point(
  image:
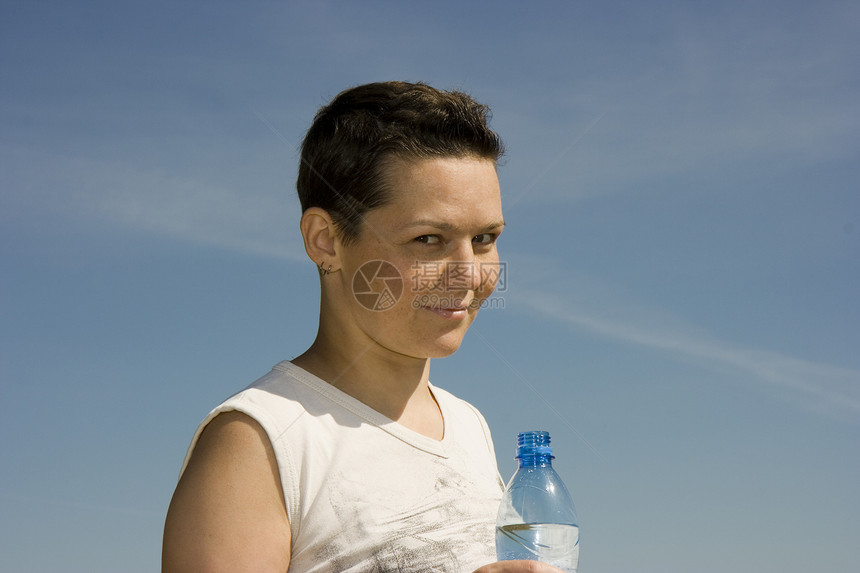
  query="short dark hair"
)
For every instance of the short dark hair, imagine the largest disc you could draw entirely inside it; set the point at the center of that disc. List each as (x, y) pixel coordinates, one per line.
(353, 138)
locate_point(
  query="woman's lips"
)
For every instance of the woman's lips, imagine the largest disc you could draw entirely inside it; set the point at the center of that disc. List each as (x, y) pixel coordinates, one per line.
(451, 307)
(452, 313)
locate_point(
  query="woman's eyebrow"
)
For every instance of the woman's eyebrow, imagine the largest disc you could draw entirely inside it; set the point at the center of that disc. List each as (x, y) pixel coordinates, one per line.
(441, 225)
(444, 226)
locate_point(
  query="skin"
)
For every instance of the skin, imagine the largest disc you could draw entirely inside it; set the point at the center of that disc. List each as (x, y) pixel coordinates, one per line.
(446, 212)
(228, 511)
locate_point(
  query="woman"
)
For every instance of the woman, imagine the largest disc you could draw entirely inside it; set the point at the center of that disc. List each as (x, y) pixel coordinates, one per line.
(347, 458)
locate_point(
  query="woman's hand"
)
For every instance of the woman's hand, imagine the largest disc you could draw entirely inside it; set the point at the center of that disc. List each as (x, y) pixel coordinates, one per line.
(518, 567)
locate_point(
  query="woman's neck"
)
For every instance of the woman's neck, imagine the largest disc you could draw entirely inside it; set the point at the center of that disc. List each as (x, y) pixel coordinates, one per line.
(392, 384)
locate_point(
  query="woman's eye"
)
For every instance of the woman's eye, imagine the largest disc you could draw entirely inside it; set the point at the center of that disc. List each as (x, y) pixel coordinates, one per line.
(427, 239)
(484, 238)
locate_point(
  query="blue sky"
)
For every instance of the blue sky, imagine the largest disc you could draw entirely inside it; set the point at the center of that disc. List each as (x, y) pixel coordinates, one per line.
(682, 250)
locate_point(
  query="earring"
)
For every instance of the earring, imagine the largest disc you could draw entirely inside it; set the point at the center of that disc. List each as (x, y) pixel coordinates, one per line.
(323, 271)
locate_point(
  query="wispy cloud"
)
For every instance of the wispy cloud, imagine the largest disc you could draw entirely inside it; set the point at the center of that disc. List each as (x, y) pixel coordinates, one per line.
(728, 94)
(828, 389)
(100, 192)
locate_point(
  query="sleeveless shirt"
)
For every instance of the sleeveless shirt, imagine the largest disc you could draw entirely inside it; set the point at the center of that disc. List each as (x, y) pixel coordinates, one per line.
(364, 493)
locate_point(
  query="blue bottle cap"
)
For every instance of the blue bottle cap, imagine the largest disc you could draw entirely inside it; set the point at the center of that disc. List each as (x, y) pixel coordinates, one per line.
(533, 443)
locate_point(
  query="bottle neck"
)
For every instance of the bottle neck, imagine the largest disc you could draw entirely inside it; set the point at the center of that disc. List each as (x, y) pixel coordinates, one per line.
(533, 449)
(535, 460)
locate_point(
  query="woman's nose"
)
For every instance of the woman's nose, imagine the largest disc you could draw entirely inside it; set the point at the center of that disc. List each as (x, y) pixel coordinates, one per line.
(461, 268)
(462, 274)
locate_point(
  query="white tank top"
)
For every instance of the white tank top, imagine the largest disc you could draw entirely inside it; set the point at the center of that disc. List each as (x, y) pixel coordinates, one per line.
(364, 493)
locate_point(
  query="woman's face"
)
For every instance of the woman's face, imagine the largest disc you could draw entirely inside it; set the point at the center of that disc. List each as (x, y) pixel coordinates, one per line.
(425, 261)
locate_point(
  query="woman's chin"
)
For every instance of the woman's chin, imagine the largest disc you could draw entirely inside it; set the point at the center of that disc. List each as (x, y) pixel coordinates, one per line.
(446, 346)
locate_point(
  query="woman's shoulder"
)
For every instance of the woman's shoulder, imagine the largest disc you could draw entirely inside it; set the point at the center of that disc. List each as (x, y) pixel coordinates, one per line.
(228, 510)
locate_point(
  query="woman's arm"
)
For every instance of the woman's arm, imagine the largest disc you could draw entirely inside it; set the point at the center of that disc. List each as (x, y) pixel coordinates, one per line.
(228, 511)
(518, 567)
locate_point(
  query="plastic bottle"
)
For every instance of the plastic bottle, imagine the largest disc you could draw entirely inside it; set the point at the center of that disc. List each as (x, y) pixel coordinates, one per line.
(537, 519)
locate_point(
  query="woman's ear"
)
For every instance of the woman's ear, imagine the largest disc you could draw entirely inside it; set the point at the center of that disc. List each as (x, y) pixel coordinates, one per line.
(321, 239)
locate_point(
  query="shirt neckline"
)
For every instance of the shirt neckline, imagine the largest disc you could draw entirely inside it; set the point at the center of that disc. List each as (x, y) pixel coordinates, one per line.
(372, 416)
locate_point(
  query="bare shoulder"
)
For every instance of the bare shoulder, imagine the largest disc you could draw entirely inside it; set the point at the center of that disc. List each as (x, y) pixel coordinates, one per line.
(228, 513)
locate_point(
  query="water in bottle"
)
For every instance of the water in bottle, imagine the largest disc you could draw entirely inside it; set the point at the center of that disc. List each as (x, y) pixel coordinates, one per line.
(537, 519)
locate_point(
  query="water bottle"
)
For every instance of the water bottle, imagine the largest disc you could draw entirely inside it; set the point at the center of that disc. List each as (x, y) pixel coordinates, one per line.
(537, 519)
